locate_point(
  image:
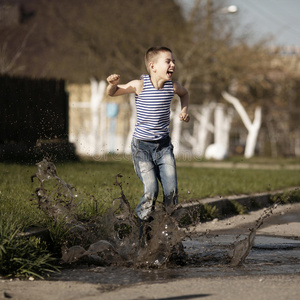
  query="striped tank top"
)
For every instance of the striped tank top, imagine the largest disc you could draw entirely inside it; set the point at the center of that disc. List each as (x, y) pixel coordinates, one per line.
(153, 111)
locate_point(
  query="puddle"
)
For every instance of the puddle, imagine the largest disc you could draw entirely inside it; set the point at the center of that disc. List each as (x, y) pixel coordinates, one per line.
(206, 257)
(107, 249)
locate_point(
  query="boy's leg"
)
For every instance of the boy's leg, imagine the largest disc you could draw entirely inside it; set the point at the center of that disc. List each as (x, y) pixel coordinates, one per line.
(144, 231)
(145, 169)
(167, 174)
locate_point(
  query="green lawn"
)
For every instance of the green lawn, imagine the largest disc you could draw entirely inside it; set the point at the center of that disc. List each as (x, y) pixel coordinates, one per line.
(95, 180)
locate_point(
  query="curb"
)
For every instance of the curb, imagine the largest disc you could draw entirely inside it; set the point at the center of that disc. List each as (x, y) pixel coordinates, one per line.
(236, 165)
(227, 206)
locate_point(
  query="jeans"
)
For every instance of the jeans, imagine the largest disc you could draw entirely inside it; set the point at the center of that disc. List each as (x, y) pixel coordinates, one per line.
(154, 161)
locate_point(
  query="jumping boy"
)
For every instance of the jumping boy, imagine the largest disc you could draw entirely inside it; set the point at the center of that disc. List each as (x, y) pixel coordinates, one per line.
(152, 151)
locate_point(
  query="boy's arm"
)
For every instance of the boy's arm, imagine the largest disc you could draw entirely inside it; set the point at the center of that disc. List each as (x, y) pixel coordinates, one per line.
(184, 99)
(116, 89)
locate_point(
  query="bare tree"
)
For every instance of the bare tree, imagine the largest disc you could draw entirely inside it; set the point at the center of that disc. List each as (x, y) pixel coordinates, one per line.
(252, 127)
(9, 57)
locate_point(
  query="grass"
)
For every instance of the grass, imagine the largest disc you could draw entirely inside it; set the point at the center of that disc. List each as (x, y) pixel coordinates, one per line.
(201, 183)
(94, 182)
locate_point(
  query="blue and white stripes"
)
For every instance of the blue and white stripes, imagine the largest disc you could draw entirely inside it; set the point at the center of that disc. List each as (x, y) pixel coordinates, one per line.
(153, 111)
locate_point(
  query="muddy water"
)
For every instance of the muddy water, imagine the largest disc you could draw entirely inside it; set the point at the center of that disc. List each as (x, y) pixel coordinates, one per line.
(112, 256)
(207, 256)
(113, 238)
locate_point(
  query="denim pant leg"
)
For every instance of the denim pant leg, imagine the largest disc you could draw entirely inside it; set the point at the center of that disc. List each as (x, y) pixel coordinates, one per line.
(155, 161)
(146, 171)
(166, 165)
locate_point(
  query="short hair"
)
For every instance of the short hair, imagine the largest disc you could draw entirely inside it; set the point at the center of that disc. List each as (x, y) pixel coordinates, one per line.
(154, 51)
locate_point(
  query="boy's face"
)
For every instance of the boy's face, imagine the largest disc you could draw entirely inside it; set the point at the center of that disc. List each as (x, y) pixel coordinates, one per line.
(163, 65)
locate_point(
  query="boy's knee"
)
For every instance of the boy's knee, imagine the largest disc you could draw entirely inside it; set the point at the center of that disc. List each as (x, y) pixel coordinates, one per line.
(151, 193)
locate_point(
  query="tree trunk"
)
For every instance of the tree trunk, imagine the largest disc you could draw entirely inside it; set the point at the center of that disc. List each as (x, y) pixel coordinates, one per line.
(204, 117)
(253, 133)
(127, 149)
(97, 135)
(176, 129)
(222, 124)
(202, 126)
(253, 128)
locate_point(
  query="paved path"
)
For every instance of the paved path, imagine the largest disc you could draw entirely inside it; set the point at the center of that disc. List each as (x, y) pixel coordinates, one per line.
(277, 287)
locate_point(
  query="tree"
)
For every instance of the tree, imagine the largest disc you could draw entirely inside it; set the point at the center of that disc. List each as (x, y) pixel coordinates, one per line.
(10, 54)
(76, 39)
(218, 63)
(252, 127)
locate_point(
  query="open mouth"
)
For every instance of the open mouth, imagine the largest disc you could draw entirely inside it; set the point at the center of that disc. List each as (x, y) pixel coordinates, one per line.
(170, 73)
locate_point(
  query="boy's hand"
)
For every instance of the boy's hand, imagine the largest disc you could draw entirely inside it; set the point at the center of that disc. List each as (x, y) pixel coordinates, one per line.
(184, 117)
(113, 79)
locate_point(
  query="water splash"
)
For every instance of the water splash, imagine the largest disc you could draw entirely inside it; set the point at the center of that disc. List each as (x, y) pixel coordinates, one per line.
(55, 197)
(163, 240)
(113, 237)
(241, 249)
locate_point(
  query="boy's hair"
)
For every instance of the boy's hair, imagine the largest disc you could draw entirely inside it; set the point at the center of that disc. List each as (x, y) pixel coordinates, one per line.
(154, 51)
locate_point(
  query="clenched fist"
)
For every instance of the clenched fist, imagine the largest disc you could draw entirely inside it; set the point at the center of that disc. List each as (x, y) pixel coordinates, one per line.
(113, 79)
(184, 117)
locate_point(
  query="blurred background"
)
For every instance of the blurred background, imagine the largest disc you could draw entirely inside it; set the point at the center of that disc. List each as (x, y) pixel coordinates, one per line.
(238, 59)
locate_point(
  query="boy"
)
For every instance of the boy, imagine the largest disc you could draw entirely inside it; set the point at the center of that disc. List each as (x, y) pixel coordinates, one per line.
(152, 151)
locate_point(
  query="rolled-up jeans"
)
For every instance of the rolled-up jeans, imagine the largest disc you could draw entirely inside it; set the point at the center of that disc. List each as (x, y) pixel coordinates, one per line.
(154, 161)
